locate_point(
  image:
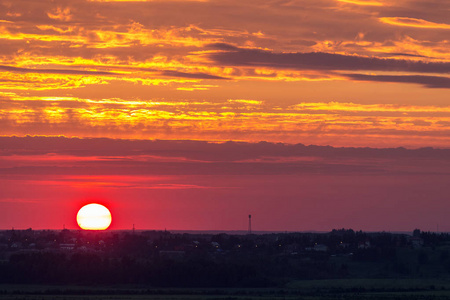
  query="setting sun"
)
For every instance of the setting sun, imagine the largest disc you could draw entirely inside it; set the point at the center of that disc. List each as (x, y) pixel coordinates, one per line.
(94, 217)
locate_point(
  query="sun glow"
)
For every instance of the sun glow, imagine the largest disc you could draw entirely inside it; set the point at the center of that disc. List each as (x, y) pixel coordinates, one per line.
(94, 217)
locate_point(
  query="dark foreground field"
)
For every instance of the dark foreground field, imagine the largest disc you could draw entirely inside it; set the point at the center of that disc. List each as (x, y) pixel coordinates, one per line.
(361, 289)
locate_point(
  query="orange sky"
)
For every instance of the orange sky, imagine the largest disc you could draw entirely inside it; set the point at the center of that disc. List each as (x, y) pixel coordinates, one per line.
(328, 72)
(103, 99)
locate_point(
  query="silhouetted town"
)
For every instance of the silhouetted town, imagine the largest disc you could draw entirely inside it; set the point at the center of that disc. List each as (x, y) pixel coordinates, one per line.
(165, 259)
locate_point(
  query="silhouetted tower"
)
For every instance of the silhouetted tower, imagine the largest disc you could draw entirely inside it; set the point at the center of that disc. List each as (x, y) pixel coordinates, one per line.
(249, 224)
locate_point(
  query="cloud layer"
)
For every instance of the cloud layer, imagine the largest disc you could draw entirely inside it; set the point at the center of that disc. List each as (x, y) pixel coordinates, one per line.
(172, 69)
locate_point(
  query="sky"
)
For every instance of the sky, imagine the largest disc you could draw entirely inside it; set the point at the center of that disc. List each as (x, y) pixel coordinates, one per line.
(192, 114)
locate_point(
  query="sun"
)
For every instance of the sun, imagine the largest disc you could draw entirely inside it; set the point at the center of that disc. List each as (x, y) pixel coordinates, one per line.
(94, 217)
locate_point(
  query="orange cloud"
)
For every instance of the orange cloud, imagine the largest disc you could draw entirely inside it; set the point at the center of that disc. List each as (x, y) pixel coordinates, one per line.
(363, 2)
(412, 22)
(245, 101)
(126, 35)
(60, 14)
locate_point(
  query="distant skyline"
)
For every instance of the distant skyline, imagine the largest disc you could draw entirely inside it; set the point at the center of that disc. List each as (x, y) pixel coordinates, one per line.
(192, 114)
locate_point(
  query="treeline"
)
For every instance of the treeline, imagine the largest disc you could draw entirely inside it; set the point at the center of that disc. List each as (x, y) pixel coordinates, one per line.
(161, 259)
(93, 268)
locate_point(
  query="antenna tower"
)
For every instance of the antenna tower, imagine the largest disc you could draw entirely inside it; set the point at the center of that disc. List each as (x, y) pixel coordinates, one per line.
(249, 224)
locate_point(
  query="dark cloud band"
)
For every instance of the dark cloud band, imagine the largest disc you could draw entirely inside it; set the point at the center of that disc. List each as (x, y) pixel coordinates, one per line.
(234, 56)
(428, 81)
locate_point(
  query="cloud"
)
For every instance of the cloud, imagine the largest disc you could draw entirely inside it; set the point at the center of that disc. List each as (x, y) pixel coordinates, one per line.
(428, 81)
(60, 14)
(101, 37)
(56, 71)
(23, 78)
(339, 123)
(364, 3)
(405, 54)
(235, 56)
(139, 163)
(198, 151)
(190, 75)
(413, 22)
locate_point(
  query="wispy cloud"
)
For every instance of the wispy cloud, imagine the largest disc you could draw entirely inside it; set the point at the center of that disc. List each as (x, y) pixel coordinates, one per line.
(413, 22)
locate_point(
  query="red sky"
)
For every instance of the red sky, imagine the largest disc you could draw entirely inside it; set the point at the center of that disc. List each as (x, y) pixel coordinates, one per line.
(128, 86)
(214, 186)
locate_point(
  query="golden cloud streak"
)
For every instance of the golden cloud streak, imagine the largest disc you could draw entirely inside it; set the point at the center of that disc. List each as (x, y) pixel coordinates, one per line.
(110, 64)
(339, 106)
(118, 101)
(6, 34)
(37, 79)
(102, 38)
(331, 108)
(31, 81)
(245, 101)
(412, 22)
(363, 2)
